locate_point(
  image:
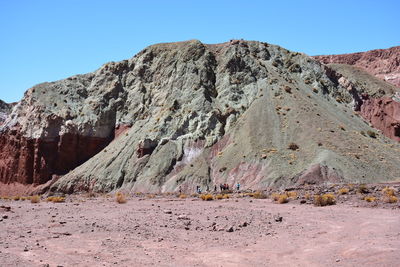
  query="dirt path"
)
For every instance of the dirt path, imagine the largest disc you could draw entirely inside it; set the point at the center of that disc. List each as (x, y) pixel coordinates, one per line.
(191, 232)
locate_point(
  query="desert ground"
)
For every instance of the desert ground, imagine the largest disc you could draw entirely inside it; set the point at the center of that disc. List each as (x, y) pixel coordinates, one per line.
(166, 230)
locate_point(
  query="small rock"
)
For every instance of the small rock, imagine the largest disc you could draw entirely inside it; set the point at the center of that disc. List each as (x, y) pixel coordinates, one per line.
(183, 217)
(168, 211)
(230, 229)
(26, 249)
(5, 217)
(303, 201)
(278, 218)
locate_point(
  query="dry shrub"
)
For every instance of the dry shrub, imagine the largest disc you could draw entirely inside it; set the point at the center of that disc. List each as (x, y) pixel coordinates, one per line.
(151, 196)
(370, 198)
(292, 194)
(363, 189)
(388, 192)
(35, 199)
(324, 200)
(23, 198)
(275, 196)
(219, 196)
(225, 196)
(206, 197)
(120, 198)
(16, 198)
(283, 199)
(293, 146)
(371, 134)
(55, 199)
(390, 199)
(259, 195)
(343, 191)
(182, 196)
(307, 196)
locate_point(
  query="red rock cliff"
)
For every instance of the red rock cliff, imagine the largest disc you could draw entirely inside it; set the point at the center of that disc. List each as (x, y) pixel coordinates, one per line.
(384, 114)
(382, 63)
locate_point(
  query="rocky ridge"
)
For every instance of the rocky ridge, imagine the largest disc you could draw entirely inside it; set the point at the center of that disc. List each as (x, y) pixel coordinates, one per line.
(5, 109)
(186, 114)
(382, 63)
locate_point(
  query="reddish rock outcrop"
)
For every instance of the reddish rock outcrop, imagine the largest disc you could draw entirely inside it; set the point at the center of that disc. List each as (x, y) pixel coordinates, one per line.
(384, 114)
(35, 161)
(382, 63)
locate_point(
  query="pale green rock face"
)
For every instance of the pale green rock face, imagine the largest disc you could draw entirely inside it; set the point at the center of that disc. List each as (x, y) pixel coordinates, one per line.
(222, 113)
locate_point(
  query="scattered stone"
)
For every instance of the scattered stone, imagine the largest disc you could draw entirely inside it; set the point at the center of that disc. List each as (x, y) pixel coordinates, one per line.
(278, 218)
(230, 229)
(168, 211)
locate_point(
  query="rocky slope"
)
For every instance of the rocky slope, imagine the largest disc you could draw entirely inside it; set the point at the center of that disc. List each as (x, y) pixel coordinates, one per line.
(187, 114)
(5, 109)
(382, 63)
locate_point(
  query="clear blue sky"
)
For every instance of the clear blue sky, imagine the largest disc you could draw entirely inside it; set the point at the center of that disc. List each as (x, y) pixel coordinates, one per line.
(47, 40)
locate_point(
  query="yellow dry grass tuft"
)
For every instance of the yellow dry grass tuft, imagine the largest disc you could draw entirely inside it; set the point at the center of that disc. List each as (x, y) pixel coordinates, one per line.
(390, 199)
(292, 194)
(283, 199)
(343, 191)
(206, 197)
(307, 196)
(388, 192)
(324, 200)
(120, 198)
(363, 189)
(35, 199)
(55, 199)
(182, 196)
(259, 195)
(370, 198)
(16, 198)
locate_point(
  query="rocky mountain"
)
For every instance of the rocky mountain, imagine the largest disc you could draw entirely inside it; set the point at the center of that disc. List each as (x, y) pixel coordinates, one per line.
(187, 114)
(5, 109)
(382, 63)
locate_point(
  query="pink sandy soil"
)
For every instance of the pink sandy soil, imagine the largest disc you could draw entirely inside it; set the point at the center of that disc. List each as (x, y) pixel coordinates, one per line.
(167, 231)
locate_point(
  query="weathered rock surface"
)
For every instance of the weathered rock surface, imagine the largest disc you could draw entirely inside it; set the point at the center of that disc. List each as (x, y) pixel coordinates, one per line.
(384, 114)
(5, 110)
(377, 100)
(187, 114)
(382, 63)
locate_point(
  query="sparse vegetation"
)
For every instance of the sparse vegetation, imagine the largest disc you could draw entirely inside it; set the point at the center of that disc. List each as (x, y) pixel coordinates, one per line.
(388, 191)
(206, 197)
(182, 196)
(370, 198)
(363, 189)
(343, 191)
(293, 146)
(120, 198)
(283, 199)
(35, 199)
(371, 134)
(55, 199)
(292, 194)
(288, 89)
(324, 200)
(16, 198)
(390, 199)
(259, 195)
(307, 196)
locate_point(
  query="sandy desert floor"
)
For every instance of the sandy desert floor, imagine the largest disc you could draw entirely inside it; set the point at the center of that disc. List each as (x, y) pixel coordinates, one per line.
(169, 231)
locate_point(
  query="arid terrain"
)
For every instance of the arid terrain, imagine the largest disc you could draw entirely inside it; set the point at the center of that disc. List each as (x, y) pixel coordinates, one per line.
(166, 230)
(312, 141)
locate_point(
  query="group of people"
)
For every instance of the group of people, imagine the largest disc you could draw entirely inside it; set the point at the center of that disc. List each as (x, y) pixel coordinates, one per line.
(222, 187)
